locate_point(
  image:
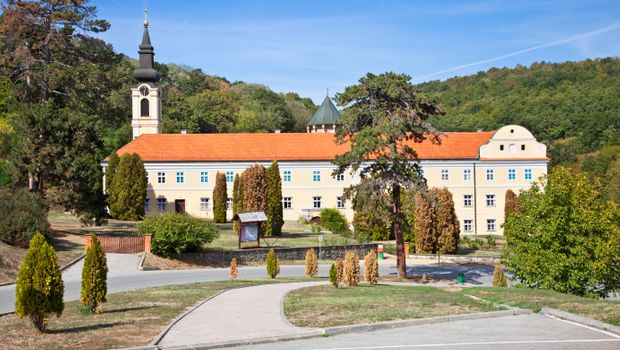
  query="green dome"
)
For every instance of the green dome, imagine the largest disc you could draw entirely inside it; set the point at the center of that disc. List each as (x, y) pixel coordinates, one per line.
(326, 114)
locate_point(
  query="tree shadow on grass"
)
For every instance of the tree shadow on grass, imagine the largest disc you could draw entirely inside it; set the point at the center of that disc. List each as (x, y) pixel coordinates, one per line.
(125, 309)
(83, 328)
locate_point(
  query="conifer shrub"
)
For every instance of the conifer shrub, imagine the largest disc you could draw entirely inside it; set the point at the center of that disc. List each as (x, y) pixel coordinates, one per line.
(333, 220)
(174, 233)
(220, 197)
(499, 279)
(237, 200)
(22, 214)
(511, 204)
(424, 223)
(333, 275)
(39, 290)
(233, 269)
(128, 188)
(255, 185)
(339, 270)
(273, 267)
(447, 226)
(110, 171)
(371, 267)
(312, 263)
(274, 212)
(94, 277)
(351, 269)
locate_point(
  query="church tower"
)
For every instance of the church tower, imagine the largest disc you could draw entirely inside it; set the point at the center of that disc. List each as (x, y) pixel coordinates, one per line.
(146, 95)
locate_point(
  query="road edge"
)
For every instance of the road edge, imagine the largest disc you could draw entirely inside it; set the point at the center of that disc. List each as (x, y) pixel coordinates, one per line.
(586, 321)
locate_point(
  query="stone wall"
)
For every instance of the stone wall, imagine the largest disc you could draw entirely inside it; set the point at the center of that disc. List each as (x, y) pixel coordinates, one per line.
(223, 257)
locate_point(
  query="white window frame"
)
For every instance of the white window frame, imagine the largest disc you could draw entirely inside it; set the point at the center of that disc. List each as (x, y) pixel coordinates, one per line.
(316, 176)
(445, 175)
(180, 177)
(287, 176)
(287, 202)
(340, 203)
(491, 225)
(230, 176)
(229, 203)
(340, 177)
(490, 175)
(468, 225)
(490, 201)
(468, 200)
(315, 200)
(512, 174)
(161, 177)
(162, 204)
(466, 174)
(204, 177)
(204, 203)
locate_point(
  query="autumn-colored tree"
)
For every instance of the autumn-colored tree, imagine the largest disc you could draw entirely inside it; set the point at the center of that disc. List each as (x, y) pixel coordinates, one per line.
(233, 269)
(371, 267)
(447, 224)
(237, 200)
(511, 205)
(339, 265)
(274, 202)
(220, 197)
(425, 234)
(351, 269)
(384, 117)
(312, 263)
(255, 184)
(94, 277)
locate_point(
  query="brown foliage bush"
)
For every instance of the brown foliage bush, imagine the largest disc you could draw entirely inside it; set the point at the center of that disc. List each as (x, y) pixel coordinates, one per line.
(312, 263)
(447, 225)
(371, 267)
(424, 223)
(499, 279)
(351, 269)
(233, 269)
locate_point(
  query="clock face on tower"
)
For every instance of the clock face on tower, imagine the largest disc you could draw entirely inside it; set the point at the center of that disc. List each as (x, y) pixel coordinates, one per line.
(144, 90)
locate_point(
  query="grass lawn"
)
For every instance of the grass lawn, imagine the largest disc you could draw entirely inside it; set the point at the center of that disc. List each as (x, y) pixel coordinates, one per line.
(129, 319)
(536, 299)
(326, 306)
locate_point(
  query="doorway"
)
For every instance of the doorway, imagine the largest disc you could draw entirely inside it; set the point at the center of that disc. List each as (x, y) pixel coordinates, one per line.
(179, 206)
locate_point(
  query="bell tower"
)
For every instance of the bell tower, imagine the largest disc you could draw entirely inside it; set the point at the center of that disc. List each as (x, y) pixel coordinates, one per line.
(146, 95)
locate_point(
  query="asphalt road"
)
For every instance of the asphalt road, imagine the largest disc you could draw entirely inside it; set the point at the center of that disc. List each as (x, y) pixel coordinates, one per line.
(123, 276)
(506, 333)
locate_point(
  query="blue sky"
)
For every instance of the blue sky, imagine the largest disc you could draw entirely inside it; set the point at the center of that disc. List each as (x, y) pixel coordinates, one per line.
(309, 46)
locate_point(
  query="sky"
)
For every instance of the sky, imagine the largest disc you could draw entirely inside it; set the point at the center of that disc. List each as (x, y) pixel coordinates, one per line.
(310, 46)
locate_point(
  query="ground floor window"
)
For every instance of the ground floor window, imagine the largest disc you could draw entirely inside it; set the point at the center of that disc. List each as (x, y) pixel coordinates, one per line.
(467, 225)
(229, 203)
(287, 202)
(161, 204)
(316, 202)
(204, 204)
(491, 225)
(147, 205)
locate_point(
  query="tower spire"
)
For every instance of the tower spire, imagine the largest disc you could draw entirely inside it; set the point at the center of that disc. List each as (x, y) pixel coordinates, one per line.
(145, 72)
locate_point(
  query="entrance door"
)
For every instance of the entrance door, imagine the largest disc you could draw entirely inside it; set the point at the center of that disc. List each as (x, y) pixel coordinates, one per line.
(179, 206)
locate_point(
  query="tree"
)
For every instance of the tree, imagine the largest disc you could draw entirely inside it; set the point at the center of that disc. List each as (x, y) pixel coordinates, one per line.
(39, 290)
(425, 230)
(23, 213)
(273, 267)
(371, 267)
(351, 269)
(312, 263)
(447, 224)
(499, 279)
(333, 276)
(384, 118)
(274, 201)
(128, 190)
(110, 171)
(237, 200)
(566, 237)
(220, 198)
(511, 205)
(255, 185)
(94, 277)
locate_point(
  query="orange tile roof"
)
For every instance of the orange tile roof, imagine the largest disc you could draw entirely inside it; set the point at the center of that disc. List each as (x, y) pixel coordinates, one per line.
(285, 146)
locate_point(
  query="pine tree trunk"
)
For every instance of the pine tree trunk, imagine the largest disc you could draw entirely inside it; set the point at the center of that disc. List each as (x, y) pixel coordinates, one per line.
(401, 262)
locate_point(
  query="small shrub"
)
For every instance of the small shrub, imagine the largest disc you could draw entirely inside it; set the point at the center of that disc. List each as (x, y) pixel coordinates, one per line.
(491, 242)
(39, 289)
(371, 267)
(316, 229)
(339, 270)
(351, 272)
(94, 277)
(333, 220)
(273, 267)
(312, 263)
(175, 233)
(302, 220)
(22, 214)
(233, 269)
(499, 279)
(333, 276)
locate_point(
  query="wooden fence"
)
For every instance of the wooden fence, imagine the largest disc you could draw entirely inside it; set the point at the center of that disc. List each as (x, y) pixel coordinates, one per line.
(122, 244)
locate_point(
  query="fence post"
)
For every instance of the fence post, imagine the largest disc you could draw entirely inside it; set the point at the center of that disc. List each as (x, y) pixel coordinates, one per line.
(147, 243)
(88, 239)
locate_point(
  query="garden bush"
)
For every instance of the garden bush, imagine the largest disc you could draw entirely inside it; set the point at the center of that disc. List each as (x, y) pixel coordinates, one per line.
(333, 276)
(339, 270)
(39, 290)
(371, 267)
(312, 263)
(499, 279)
(368, 227)
(351, 269)
(94, 277)
(175, 233)
(23, 213)
(273, 267)
(333, 220)
(233, 269)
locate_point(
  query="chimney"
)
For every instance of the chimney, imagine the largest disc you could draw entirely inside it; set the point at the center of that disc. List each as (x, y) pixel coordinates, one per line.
(183, 132)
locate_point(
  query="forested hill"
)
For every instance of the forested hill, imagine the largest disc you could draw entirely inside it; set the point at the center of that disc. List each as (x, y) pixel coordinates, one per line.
(574, 107)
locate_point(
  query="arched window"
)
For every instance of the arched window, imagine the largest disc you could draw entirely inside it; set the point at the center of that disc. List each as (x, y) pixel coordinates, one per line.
(144, 107)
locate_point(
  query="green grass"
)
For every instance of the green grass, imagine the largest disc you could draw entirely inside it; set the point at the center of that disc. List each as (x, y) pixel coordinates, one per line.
(536, 299)
(326, 306)
(129, 319)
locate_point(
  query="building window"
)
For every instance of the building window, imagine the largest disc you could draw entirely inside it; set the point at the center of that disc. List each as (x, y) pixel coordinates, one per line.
(444, 175)
(340, 203)
(316, 202)
(287, 202)
(180, 177)
(230, 176)
(491, 225)
(286, 177)
(528, 174)
(467, 225)
(316, 176)
(490, 174)
(229, 203)
(161, 204)
(147, 205)
(204, 204)
(490, 200)
(512, 148)
(161, 177)
(204, 177)
(467, 200)
(144, 107)
(512, 174)
(467, 174)
(340, 177)
(523, 147)
(501, 147)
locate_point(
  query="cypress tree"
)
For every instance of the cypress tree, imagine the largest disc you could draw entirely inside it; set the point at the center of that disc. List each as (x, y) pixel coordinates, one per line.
(511, 205)
(220, 196)
(274, 201)
(128, 189)
(255, 184)
(94, 277)
(447, 224)
(273, 267)
(39, 289)
(237, 200)
(424, 223)
(111, 170)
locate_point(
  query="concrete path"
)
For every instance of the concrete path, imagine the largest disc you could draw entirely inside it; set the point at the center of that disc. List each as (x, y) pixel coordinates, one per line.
(238, 315)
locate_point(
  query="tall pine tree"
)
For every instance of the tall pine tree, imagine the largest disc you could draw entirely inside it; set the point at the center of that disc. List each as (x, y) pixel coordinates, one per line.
(220, 196)
(274, 201)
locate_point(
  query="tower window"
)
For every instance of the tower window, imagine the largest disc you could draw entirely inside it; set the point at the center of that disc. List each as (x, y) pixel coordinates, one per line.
(144, 107)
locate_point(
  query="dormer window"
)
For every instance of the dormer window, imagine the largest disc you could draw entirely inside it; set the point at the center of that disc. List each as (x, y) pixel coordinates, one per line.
(523, 147)
(501, 147)
(144, 107)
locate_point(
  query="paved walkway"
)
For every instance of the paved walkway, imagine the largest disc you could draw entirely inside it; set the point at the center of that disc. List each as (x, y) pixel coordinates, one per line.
(238, 315)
